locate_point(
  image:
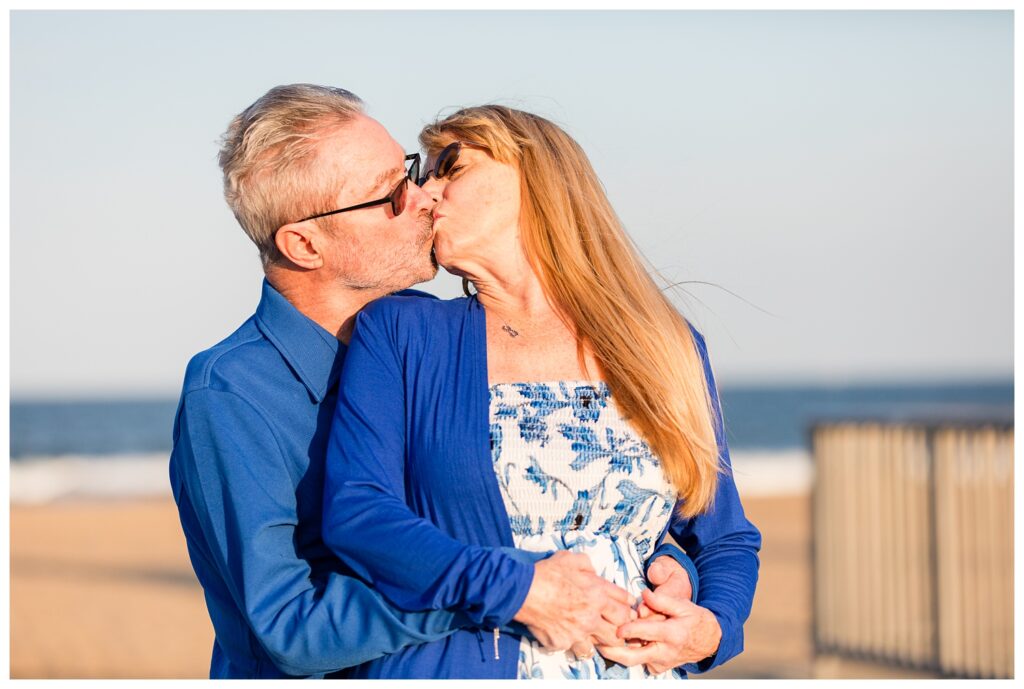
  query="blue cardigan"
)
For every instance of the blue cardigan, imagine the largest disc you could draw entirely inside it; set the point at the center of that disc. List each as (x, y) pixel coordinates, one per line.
(412, 505)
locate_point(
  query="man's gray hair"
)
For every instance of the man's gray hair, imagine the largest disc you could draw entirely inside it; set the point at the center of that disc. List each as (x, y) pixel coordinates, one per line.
(267, 156)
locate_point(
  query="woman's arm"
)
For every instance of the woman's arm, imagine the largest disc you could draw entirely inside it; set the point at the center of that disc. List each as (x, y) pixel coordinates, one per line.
(723, 545)
(366, 520)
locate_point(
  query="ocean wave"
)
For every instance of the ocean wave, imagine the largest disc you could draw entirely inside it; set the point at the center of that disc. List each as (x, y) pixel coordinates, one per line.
(765, 473)
(39, 480)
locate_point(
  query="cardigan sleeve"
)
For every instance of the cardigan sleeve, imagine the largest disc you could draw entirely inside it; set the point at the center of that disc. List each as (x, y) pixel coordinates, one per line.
(723, 545)
(366, 519)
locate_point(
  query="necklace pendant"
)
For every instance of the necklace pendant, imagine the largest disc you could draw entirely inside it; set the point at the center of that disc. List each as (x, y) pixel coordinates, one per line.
(512, 332)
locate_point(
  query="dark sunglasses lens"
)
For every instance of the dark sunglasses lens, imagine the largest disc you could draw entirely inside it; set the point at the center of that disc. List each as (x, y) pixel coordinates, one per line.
(398, 196)
(414, 170)
(446, 161)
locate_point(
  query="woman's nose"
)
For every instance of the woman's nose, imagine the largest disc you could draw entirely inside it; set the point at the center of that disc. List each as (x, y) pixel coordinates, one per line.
(434, 187)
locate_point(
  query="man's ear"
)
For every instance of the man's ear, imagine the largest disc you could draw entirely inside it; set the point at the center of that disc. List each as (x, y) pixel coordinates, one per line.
(299, 242)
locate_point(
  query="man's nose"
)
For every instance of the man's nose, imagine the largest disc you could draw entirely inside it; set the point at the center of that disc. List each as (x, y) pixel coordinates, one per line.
(422, 198)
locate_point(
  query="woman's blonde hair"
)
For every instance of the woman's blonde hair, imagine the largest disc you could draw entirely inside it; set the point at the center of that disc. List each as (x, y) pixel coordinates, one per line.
(591, 270)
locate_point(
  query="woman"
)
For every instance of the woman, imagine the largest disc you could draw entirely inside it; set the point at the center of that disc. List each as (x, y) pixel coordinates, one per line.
(565, 406)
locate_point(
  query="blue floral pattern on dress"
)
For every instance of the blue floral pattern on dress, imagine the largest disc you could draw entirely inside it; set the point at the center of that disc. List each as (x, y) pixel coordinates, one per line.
(575, 475)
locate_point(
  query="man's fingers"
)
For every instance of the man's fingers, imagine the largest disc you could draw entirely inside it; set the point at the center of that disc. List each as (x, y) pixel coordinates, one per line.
(583, 650)
(616, 593)
(648, 630)
(579, 561)
(618, 614)
(657, 668)
(627, 656)
(607, 634)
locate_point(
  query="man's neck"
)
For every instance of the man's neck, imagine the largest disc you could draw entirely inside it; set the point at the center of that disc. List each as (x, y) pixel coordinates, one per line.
(332, 307)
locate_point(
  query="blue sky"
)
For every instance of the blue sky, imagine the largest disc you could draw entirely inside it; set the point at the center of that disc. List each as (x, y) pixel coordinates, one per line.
(845, 178)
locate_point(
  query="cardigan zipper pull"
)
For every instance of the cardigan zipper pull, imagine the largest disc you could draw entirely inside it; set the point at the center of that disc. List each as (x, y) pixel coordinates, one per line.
(497, 635)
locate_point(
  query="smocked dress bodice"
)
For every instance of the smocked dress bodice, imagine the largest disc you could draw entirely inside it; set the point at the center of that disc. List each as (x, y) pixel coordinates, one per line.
(575, 475)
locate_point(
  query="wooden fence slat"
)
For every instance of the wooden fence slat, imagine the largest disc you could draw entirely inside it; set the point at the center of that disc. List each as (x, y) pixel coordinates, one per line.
(913, 544)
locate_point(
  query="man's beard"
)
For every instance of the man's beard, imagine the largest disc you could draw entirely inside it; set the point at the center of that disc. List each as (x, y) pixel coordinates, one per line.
(427, 270)
(403, 273)
(428, 238)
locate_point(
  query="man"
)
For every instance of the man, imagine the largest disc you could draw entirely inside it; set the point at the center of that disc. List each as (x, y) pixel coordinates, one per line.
(308, 177)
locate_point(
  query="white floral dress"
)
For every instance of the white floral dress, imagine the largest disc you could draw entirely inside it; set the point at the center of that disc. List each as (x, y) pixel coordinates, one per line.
(575, 475)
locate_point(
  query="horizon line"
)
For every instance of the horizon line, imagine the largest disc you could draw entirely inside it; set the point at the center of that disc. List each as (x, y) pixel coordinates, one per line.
(747, 383)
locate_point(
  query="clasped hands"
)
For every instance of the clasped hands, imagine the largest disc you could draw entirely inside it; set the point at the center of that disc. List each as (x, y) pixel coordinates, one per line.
(570, 607)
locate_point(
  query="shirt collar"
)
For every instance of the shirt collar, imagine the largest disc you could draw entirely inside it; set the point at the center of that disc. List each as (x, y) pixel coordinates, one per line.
(314, 354)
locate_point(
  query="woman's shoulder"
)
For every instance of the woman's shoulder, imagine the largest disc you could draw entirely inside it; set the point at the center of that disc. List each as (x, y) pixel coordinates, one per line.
(413, 314)
(698, 337)
(410, 305)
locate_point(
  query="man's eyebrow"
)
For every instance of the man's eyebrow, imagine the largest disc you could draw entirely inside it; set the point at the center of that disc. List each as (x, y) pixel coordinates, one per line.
(385, 176)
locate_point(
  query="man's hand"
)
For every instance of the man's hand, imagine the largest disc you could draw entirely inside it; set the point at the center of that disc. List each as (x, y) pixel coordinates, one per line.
(570, 606)
(668, 578)
(676, 632)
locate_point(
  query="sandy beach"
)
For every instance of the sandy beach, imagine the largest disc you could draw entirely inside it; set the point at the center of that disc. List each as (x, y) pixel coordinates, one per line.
(105, 590)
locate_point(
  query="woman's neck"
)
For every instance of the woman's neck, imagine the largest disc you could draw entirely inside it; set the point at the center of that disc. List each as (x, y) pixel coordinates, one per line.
(509, 288)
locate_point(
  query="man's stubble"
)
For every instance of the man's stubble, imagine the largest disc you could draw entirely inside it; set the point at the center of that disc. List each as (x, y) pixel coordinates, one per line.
(399, 269)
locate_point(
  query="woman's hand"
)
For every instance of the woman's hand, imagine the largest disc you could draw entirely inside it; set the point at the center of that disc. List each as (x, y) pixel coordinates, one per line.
(673, 633)
(668, 578)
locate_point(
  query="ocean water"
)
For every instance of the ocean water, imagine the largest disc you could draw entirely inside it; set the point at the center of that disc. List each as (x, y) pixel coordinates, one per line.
(90, 427)
(110, 448)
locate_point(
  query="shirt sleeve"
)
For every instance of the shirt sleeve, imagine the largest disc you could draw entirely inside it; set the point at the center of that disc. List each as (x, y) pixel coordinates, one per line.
(238, 482)
(723, 545)
(367, 520)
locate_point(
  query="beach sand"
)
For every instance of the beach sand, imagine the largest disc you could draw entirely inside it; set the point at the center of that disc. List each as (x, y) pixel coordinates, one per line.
(105, 590)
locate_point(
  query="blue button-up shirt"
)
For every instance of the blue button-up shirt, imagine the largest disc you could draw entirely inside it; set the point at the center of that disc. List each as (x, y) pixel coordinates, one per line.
(247, 475)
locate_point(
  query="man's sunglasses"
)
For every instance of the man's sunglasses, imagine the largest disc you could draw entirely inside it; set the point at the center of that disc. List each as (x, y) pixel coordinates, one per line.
(446, 161)
(396, 198)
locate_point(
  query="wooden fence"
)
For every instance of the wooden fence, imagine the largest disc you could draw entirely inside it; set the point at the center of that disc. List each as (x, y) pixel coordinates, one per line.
(912, 540)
